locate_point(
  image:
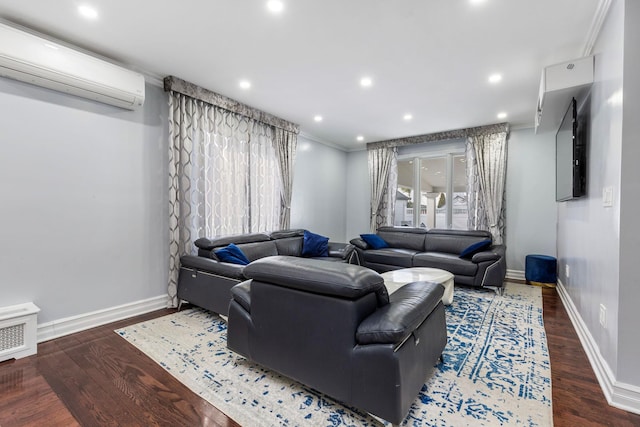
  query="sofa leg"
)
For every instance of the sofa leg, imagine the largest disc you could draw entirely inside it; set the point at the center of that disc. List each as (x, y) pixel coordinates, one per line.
(180, 304)
(500, 290)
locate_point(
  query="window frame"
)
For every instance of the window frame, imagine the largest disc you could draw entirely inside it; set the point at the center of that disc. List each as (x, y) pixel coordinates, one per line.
(448, 150)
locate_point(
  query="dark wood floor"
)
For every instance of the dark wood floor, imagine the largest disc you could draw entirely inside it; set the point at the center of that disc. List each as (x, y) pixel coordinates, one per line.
(95, 378)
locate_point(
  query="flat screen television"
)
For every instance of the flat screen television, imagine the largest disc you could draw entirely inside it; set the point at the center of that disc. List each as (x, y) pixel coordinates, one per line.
(571, 154)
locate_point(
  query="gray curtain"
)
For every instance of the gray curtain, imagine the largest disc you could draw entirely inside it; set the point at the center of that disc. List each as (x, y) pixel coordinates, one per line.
(381, 168)
(285, 143)
(486, 156)
(223, 177)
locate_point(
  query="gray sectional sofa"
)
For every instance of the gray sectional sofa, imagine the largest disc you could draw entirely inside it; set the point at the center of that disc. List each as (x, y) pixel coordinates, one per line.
(437, 248)
(206, 281)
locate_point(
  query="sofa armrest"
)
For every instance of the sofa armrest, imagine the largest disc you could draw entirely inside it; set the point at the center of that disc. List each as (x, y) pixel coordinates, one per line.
(493, 254)
(212, 266)
(407, 309)
(340, 250)
(359, 243)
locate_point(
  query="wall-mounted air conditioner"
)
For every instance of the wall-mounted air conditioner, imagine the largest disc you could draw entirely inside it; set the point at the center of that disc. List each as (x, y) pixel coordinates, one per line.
(32, 59)
(558, 84)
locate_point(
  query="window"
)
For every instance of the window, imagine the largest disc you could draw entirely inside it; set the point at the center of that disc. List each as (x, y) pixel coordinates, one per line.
(432, 189)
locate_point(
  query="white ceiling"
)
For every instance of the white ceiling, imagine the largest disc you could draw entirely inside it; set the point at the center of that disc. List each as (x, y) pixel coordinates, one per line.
(431, 59)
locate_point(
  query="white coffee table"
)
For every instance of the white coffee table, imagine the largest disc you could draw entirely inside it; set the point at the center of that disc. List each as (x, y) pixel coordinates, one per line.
(395, 279)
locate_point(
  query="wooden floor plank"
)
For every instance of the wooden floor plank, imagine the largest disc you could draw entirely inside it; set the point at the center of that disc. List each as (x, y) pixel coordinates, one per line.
(96, 378)
(577, 397)
(20, 382)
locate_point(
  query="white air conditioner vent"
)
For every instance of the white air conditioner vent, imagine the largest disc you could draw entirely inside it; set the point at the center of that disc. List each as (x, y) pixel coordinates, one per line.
(32, 59)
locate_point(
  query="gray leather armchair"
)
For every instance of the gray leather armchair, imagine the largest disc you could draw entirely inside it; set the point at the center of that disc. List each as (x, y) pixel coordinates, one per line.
(333, 327)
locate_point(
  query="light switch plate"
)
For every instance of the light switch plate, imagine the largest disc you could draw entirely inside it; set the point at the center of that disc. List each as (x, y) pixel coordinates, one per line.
(607, 196)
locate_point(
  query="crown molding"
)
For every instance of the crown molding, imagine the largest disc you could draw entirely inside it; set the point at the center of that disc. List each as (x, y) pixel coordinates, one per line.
(596, 25)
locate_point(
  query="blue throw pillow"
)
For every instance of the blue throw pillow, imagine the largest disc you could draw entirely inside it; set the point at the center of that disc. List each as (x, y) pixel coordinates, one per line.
(470, 250)
(232, 254)
(314, 245)
(375, 241)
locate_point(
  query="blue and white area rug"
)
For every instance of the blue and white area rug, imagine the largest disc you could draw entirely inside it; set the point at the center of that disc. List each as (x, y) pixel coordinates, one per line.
(495, 369)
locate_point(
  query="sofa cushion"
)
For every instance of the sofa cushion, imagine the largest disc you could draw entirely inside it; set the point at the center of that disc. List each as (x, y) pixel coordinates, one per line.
(450, 262)
(374, 241)
(314, 245)
(474, 248)
(321, 277)
(390, 256)
(453, 241)
(217, 242)
(403, 237)
(258, 250)
(290, 246)
(283, 234)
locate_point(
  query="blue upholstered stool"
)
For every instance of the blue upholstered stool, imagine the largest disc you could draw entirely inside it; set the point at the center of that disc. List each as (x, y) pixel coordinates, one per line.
(541, 270)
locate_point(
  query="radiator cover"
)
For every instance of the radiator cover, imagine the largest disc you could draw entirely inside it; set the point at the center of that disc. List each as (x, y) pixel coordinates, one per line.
(18, 331)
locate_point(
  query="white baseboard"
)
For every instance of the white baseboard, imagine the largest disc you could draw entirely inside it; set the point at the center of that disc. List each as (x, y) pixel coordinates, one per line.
(515, 274)
(618, 394)
(69, 325)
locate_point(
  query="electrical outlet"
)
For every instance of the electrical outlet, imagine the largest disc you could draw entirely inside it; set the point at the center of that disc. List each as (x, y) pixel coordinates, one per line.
(603, 316)
(567, 270)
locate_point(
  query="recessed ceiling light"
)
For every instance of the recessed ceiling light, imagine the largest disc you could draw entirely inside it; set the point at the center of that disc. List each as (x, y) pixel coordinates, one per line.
(359, 138)
(318, 118)
(407, 117)
(495, 78)
(476, 1)
(87, 12)
(275, 6)
(502, 115)
(366, 82)
(245, 84)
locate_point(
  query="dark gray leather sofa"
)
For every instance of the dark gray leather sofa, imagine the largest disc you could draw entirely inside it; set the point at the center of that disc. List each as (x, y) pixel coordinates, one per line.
(333, 327)
(437, 248)
(206, 282)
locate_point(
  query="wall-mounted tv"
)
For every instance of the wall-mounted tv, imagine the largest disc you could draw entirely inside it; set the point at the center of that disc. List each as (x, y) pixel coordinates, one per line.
(571, 154)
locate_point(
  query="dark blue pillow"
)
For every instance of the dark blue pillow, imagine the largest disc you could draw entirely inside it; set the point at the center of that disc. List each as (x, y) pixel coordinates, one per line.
(314, 245)
(375, 241)
(232, 254)
(470, 250)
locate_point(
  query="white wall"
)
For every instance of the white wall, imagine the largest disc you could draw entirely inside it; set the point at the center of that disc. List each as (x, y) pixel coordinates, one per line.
(319, 188)
(629, 292)
(588, 233)
(358, 198)
(84, 201)
(531, 206)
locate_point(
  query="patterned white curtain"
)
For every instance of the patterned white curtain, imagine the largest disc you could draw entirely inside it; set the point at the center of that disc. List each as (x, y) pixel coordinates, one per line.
(285, 144)
(223, 177)
(486, 157)
(383, 173)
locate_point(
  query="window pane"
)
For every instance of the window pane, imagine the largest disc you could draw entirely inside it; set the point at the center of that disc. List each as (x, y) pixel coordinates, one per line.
(433, 187)
(404, 196)
(459, 204)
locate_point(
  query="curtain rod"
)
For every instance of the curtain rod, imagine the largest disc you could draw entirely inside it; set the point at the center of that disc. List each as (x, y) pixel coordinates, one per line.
(172, 83)
(441, 136)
